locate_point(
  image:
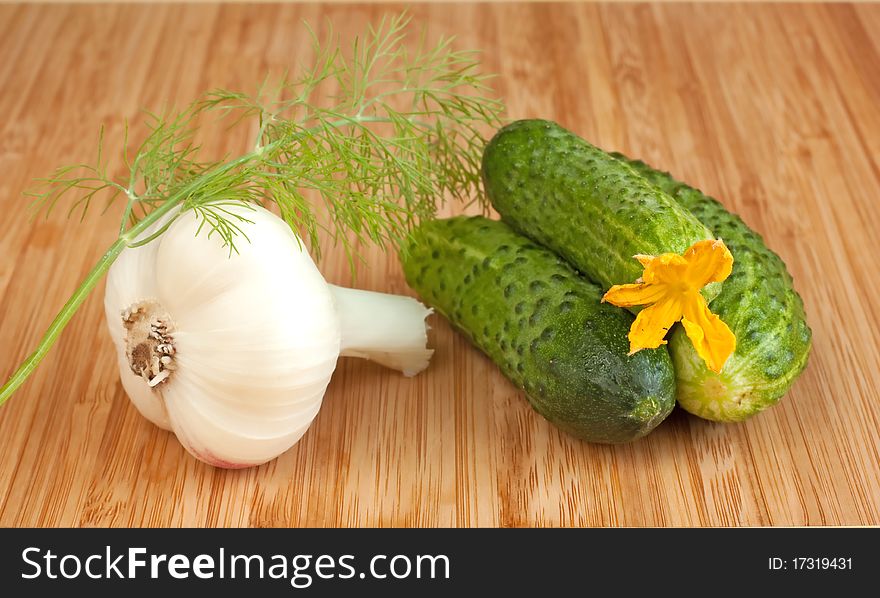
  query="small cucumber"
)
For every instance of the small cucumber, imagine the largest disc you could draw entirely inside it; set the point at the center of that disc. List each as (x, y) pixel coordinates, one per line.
(579, 201)
(760, 305)
(544, 325)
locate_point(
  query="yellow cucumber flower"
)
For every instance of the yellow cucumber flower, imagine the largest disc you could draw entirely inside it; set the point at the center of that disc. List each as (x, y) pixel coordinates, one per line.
(670, 285)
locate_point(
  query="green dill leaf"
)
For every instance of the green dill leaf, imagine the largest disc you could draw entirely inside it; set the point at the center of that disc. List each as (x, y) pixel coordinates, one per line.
(360, 146)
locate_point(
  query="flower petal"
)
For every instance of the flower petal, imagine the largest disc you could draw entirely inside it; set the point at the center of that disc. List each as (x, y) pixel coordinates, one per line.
(652, 324)
(644, 260)
(708, 261)
(712, 339)
(667, 267)
(628, 295)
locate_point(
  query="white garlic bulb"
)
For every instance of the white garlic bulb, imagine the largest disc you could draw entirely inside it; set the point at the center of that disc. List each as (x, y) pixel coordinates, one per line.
(234, 353)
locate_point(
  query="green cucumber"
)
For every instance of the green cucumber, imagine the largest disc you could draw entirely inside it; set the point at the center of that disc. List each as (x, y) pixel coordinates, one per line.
(544, 325)
(577, 200)
(758, 302)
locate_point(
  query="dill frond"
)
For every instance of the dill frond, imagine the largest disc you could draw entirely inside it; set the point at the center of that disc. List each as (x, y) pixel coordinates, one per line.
(377, 137)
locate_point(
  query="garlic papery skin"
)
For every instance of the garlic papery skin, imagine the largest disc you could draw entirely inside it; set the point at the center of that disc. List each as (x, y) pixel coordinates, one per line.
(233, 353)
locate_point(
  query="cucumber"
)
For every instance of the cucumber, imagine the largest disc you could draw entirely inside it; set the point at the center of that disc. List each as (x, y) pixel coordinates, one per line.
(544, 325)
(591, 209)
(760, 305)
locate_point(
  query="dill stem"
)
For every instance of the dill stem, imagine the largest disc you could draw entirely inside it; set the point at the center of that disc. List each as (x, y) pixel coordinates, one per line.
(61, 320)
(73, 303)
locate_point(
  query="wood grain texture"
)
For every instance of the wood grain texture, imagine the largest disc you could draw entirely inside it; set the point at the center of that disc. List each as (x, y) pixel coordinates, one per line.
(772, 108)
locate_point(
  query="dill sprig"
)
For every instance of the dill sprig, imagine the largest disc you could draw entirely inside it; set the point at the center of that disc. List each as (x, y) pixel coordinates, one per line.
(379, 135)
(359, 145)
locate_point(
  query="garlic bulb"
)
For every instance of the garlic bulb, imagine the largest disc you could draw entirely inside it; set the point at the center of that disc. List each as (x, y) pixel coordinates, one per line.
(234, 353)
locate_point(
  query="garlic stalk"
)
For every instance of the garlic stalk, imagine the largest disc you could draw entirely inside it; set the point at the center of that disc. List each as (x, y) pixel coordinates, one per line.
(234, 353)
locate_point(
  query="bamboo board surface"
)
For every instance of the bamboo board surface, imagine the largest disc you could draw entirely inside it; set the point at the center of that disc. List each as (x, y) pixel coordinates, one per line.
(772, 108)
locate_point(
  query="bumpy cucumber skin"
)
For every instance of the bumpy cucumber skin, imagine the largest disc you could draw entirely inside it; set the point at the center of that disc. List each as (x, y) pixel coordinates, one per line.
(543, 325)
(574, 198)
(760, 305)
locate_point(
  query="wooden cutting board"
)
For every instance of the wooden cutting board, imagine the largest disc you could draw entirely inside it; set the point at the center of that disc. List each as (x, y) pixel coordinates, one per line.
(774, 109)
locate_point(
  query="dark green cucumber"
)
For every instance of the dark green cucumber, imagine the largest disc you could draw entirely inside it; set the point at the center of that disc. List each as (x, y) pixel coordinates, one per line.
(579, 201)
(544, 325)
(760, 305)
